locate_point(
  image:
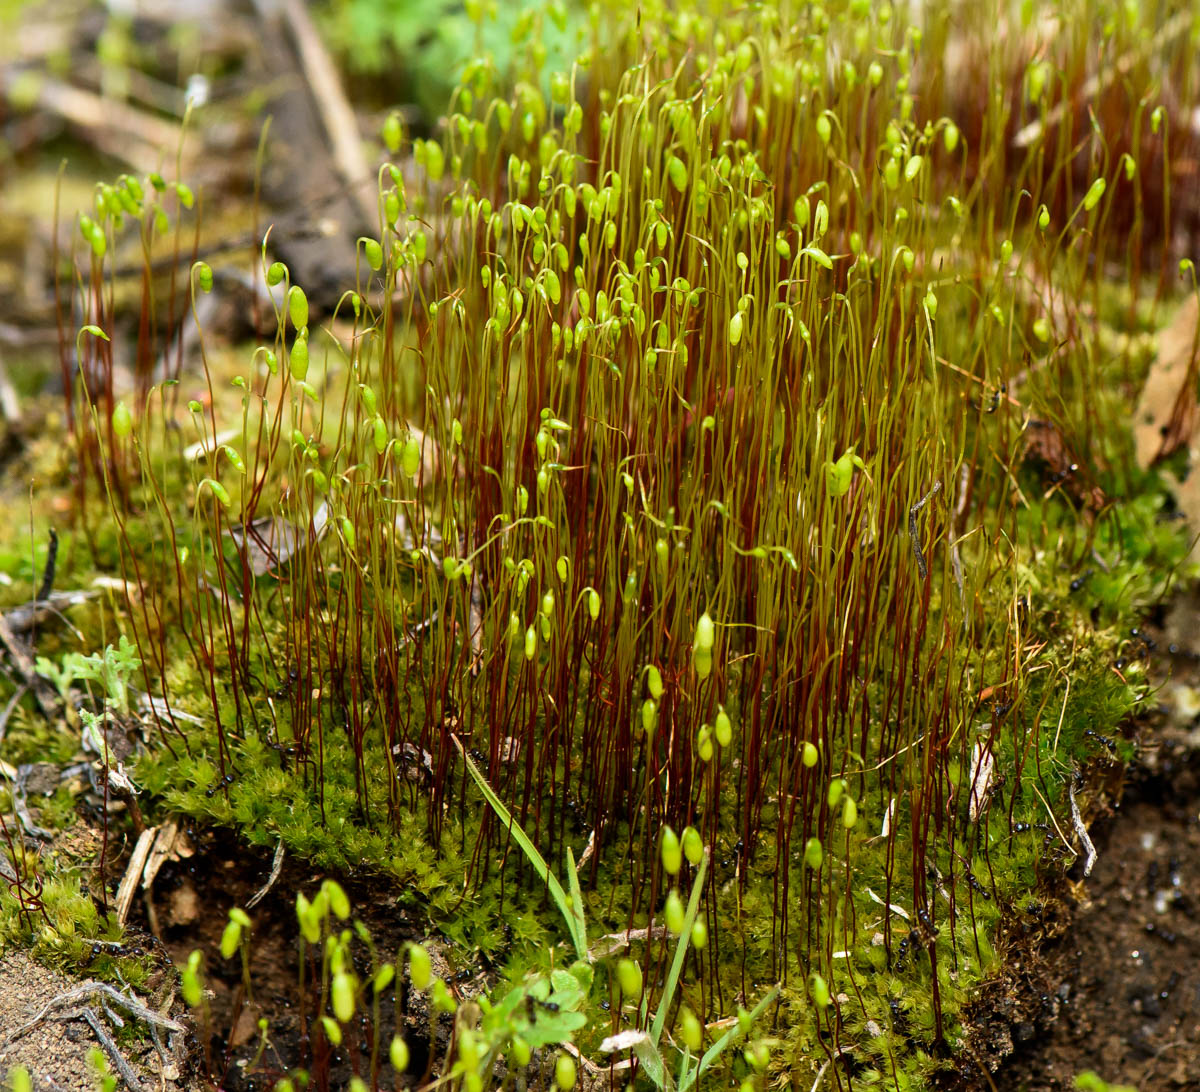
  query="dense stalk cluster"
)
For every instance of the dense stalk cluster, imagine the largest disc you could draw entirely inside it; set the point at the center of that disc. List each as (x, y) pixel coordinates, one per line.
(667, 456)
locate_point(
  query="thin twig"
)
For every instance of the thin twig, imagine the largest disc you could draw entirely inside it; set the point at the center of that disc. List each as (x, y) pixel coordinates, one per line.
(276, 868)
(110, 1048)
(912, 528)
(1081, 830)
(85, 990)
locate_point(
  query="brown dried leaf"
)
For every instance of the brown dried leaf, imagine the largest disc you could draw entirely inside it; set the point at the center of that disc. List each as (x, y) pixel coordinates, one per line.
(1166, 414)
(1046, 447)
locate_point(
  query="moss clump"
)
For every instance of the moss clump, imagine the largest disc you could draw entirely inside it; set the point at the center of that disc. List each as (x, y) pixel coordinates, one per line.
(736, 459)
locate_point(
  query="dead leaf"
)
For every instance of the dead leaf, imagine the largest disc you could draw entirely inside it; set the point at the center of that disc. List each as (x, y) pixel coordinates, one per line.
(1166, 413)
(1046, 446)
(184, 908)
(271, 541)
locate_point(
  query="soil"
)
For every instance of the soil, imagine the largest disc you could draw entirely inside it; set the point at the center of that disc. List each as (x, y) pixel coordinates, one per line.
(1117, 992)
(1106, 975)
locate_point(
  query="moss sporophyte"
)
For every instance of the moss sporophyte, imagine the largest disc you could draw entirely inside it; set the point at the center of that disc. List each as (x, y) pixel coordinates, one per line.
(661, 510)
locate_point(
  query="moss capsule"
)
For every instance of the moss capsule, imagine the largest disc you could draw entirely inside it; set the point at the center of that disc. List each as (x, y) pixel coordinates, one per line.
(723, 728)
(690, 1029)
(671, 851)
(629, 978)
(297, 307)
(420, 967)
(564, 1072)
(341, 995)
(673, 912)
(122, 420)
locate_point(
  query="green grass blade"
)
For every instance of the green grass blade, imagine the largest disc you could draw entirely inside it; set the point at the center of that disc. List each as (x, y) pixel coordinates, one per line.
(693, 907)
(580, 932)
(531, 851)
(727, 1040)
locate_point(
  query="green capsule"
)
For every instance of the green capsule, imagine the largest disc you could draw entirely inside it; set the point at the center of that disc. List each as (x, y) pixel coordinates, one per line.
(950, 136)
(339, 903)
(735, 328)
(276, 273)
(593, 604)
(677, 172)
(693, 845)
(231, 938)
(814, 854)
(398, 1054)
(383, 978)
(204, 276)
(836, 788)
(393, 133)
(332, 1029)
(820, 991)
(1094, 193)
(690, 1030)
(654, 682)
(702, 661)
(629, 978)
(705, 633)
(522, 1052)
(672, 852)
(122, 421)
(849, 812)
(531, 643)
(192, 988)
(699, 934)
(723, 728)
(410, 458)
(373, 252)
(435, 160)
(341, 995)
(218, 490)
(379, 434)
(809, 755)
(297, 307)
(673, 912)
(564, 1072)
(298, 359)
(420, 967)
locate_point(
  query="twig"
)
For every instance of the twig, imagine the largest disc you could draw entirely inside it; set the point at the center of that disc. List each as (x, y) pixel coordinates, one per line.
(18, 694)
(341, 126)
(133, 872)
(1155, 46)
(85, 990)
(46, 698)
(276, 868)
(1081, 830)
(133, 136)
(912, 527)
(110, 1048)
(820, 1074)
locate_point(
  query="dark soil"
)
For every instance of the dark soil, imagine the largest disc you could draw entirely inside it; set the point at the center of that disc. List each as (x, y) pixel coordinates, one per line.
(190, 905)
(1107, 975)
